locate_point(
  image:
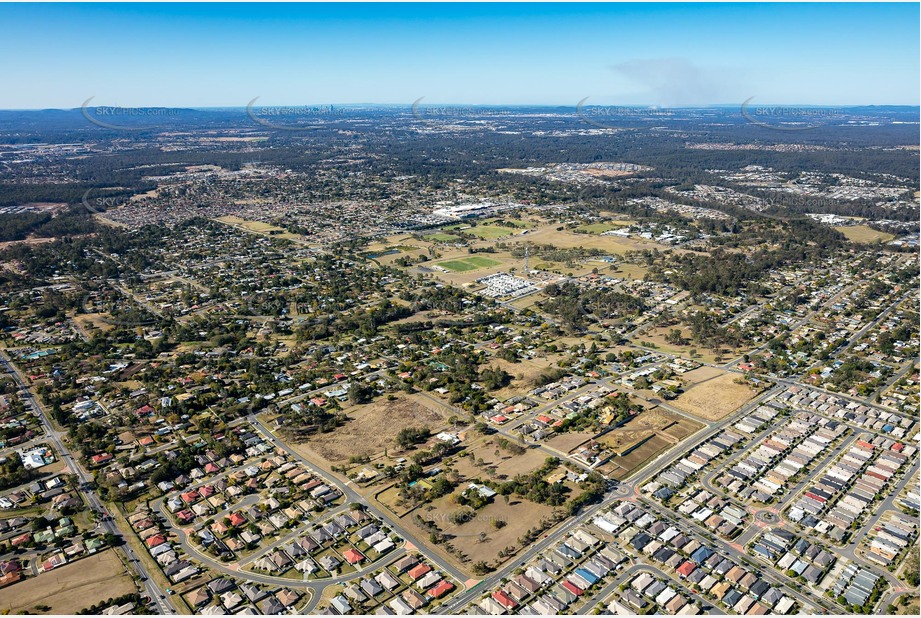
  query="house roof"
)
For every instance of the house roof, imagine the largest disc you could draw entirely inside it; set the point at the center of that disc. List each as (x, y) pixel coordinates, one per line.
(353, 556)
(441, 588)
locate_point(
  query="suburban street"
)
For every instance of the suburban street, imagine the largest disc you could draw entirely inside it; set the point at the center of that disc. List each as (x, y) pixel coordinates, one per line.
(158, 598)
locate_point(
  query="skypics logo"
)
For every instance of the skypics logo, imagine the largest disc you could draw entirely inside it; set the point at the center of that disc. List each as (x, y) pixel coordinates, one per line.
(789, 118)
(292, 118)
(444, 116)
(99, 204)
(116, 118)
(614, 117)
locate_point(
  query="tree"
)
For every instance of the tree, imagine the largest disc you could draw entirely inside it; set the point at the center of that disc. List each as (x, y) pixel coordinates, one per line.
(408, 436)
(360, 393)
(480, 568)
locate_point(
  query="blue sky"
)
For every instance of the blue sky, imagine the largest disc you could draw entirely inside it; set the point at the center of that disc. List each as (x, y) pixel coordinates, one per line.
(556, 54)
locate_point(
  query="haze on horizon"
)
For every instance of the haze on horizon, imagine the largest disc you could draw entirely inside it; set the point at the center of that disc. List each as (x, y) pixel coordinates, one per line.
(668, 55)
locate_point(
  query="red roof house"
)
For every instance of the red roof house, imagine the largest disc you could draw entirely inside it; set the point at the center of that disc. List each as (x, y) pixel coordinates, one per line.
(419, 570)
(353, 556)
(153, 541)
(572, 588)
(687, 568)
(504, 599)
(101, 458)
(441, 589)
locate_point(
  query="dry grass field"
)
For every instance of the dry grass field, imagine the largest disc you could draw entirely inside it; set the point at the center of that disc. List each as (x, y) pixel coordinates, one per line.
(623, 270)
(90, 321)
(372, 428)
(496, 467)
(656, 336)
(638, 429)
(479, 538)
(566, 239)
(257, 227)
(69, 588)
(711, 393)
(519, 515)
(523, 373)
(864, 233)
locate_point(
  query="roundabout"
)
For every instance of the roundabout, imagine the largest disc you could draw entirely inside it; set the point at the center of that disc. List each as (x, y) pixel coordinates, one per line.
(768, 517)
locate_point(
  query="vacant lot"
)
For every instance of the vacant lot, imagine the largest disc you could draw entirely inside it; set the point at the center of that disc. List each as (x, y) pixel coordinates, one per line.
(621, 468)
(70, 588)
(864, 233)
(638, 429)
(372, 428)
(624, 270)
(94, 320)
(568, 441)
(712, 394)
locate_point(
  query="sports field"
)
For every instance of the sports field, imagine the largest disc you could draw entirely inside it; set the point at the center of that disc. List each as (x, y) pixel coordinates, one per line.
(487, 232)
(442, 237)
(469, 263)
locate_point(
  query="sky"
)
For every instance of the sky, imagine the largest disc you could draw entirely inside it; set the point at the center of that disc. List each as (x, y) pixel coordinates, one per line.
(215, 55)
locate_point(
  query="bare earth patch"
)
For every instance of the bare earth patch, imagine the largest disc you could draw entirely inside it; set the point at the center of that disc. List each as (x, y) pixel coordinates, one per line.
(643, 438)
(568, 441)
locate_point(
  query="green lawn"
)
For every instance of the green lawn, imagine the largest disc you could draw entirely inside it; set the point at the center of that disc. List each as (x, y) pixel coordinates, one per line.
(518, 223)
(598, 228)
(467, 264)
(481, 262)
(458, 266)
(442, 237)
(488, 232)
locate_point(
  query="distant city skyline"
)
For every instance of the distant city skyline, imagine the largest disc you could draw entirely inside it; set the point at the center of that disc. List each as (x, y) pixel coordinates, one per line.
(669, 55)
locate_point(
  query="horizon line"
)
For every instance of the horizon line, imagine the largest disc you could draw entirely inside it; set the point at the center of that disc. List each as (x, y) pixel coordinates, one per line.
(474, 105)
